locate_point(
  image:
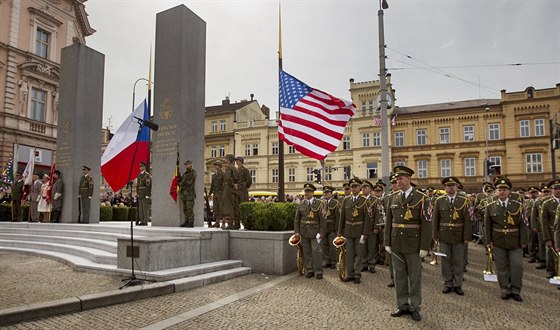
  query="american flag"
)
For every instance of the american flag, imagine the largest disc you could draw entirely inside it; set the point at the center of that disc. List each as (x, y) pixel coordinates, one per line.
(311, 120)
(377, 121)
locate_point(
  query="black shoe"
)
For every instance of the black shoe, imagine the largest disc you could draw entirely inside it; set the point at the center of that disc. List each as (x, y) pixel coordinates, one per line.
(516, 297)
(319, 276)
(446, 290)
(364, 269)
(416, 316)
(357, 280)
(505, 296)
(391, 284)
(184, 224)
(549, 276)
(399, 312)
(372, 270)
(459, 291)
(347, 279)
(309, 275)
(541, 266)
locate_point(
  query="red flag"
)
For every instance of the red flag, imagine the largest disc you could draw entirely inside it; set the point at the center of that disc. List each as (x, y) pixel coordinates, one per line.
(175, 180)
(49, 187)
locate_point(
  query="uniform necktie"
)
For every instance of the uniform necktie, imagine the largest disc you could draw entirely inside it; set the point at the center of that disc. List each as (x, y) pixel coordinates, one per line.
(403, 195)
(451, 201)
(504, 204)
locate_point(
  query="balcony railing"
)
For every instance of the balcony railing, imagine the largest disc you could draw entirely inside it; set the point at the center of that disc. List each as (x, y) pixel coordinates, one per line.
(37, 128)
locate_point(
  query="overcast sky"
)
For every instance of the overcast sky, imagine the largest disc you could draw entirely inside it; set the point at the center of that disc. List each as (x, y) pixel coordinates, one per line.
(325, 43)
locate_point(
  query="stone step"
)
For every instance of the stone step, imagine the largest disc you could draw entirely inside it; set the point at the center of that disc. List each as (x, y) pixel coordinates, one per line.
(108, 246)
(42, 231)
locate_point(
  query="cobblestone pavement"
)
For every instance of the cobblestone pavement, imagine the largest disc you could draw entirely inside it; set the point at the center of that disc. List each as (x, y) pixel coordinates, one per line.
(299, 302)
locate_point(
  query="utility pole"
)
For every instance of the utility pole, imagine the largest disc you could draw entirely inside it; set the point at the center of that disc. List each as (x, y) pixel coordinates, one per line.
(383, 97)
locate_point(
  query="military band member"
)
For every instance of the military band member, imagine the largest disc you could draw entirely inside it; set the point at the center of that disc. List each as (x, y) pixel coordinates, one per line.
(311, 227)
(372, 244)
(503, 225)
(379, 192)
(188, 193)
(331, 211)
(347, 189)
(408, 234)
(535, 217)
(533, 247)
(217, 190)
(243, 190)
(354, 224)
(86, 192)
(230, 198)
(452, 229)
(547, 216)
(386, 201)
(144, 193)
(480, 207)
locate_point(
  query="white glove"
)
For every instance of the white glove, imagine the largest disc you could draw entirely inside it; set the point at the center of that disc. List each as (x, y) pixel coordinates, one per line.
(423, 253)
(89, 197)
(147, 197)
(57, 196)
(318, 237)
(388, 249)
(362, 239)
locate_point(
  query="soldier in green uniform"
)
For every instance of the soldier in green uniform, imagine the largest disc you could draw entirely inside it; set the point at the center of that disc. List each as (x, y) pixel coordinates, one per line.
(244, 184)
(408, 235)
(188, 193)
(86, 192)
(533, 247)
(230, 198)
(386, 202)
(330, 212)
(17, 194)
(371, 246)
(143, 193)
(216, 190)
(354, 224)
(480, 203)
(311, 226)
(452, 228)
(547, 216)
(536, 221)
(379, 193)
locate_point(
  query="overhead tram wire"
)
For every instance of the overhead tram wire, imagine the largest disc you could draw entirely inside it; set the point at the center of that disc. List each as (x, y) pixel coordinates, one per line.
(480, 66)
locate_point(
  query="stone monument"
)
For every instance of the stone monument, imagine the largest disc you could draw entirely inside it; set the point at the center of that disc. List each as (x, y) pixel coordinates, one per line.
(80, 113)
(179, 82)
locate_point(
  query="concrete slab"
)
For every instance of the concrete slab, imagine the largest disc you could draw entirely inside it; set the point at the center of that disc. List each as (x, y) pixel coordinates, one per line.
(39, 310)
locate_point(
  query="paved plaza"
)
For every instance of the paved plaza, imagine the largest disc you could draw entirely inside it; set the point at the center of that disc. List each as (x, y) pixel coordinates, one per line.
(260, 301)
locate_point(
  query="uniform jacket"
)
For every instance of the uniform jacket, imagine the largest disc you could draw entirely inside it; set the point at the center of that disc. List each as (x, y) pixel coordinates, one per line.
(229, 195)
(451, 222)
(331, 212)
(354, 219)
(86, 186)
(144, 185)
(245, 181)
(405, 239)
(217, 188)
(58, 187)
(35, 191)
(373, 206)
(17, 190)
(309, 220)
(497, 219)
(557, 229)
(547, 215)
(186, 185)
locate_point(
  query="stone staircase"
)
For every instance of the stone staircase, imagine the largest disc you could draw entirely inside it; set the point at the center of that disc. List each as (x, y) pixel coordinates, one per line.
(93, 248)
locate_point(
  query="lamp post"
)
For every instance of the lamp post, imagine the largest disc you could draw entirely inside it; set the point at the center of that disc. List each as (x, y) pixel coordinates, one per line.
(383, 96)
(486, 132)
(134, 90)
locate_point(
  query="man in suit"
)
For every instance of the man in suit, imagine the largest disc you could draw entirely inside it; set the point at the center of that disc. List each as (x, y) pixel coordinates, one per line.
(17, 194)
(188, 193)
(547, 216)
(504, 231)
(330, 212)
(408, 236)
(354, 224)
(56, 193)
(86, 192)
(34, 196)
(452, 229)
(144, 193)
(311, 226)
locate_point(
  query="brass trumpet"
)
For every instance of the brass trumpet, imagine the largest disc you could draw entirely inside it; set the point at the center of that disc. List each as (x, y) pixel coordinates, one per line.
(435, 249)
(339, 243)
(557, 277)
(489, 263)
(295, 240)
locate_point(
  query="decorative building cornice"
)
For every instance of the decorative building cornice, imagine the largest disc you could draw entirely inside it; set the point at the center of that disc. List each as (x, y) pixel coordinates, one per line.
(45, 14)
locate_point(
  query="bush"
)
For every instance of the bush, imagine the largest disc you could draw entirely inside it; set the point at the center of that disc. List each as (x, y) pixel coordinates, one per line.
(247, 210)
(120, 213)
(5, 212)
(268, 216)
(106, 213)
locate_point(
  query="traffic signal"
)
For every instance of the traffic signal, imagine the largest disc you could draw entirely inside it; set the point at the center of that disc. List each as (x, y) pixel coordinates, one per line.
(317, 175)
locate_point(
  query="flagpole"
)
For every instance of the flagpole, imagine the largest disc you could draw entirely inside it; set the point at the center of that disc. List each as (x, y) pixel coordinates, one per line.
(383, 98)
(148, 165)
(281, 193)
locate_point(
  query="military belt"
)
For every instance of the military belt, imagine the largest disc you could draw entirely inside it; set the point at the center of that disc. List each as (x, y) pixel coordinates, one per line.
(330, 221)
(512, 230)
(310, 222)
(354, 223)
(451, 224)
(403, 225)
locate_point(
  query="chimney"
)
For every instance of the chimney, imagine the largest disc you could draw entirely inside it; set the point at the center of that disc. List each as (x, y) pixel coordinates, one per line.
(225, 101)
(252, 96)
(265, 110)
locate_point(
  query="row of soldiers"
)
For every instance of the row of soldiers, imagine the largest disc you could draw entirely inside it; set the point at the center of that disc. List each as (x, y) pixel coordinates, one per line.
(408, 221)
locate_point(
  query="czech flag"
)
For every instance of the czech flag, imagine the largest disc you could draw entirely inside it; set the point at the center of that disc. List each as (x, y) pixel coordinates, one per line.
(118, 159)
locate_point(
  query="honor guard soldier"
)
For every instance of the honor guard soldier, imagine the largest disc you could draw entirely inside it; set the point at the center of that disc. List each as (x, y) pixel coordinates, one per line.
(379, 192)
(230, 198)
(503, 225)
(354, 224)
(144, 193)
(386, 202)
(330, 212)
(188, 193)
(533, 247)
(217, 190)
(245, 181)
(311, 227)
(535, 216)
(547, 216)
(86, 191)
(452, 229)
(371, 247)
(408, 234)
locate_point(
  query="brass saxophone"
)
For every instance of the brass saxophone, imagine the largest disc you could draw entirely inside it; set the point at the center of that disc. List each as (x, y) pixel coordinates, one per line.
(435, 249)
(295, 240)
(339, 243)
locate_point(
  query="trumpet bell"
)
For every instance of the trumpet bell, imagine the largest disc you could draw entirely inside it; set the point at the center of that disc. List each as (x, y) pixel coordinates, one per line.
(294, 240)
(339, 241)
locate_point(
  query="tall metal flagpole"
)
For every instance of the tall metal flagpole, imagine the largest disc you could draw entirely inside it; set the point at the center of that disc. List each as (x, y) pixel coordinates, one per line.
(281, 193)
(149, 107)
(383, 98)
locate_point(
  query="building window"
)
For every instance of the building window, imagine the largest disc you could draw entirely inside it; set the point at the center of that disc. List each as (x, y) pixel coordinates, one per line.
(253, 176)
(399, 139)
(444, 135)
(347, 174)
(468, 133)
(524, 129)
(213, 152)
(470, 166)
(328, 174)
(445, 166)
(310, 174)
(533, 163)
(38, 105)
(539, 127)
(370, 105)
(275, 148)
(222, 150)
(420, 137)
(291, 149)
(222, 125)
(214, 126)
(346, 143)
(363, 106)
(274, 175)
(400, 163)
(255, 149)
(42, 43)
(365, 140)
(247, 150)
(494, 131)
(371, 169)
(376, 139)
(292, 175)
(422, 168)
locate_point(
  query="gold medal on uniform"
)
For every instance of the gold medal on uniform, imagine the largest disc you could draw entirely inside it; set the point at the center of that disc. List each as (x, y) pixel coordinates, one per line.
(455, 215)
(355, 213)
(510, 220)
(311, 214)
(408, 214)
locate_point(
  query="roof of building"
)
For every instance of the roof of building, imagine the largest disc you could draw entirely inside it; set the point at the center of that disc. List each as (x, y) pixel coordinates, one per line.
(446, 106)
(226, 106)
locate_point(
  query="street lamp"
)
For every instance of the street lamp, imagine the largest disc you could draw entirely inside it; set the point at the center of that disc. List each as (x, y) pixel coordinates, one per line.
(383, 96)
(134, 90)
